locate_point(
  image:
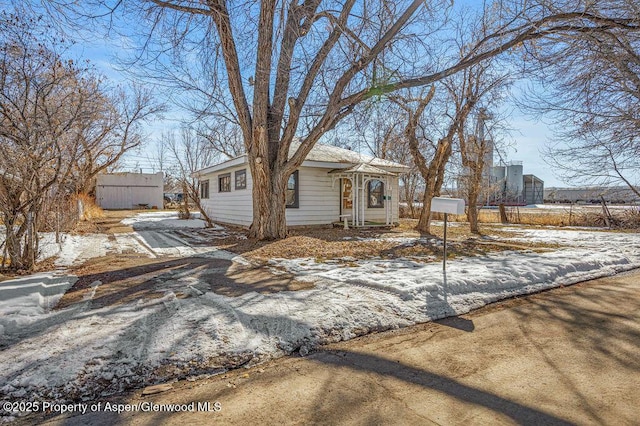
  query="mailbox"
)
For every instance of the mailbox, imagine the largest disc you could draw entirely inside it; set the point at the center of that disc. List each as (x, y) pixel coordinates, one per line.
(447, 205)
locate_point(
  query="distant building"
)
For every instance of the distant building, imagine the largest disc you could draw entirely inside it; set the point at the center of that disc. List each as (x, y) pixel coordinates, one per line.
(533, 189)
(504, 183)
(509, 185)
(129, 190)
(591, 195)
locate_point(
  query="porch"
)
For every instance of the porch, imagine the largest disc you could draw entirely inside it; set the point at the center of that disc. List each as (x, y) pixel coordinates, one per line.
(364, 189)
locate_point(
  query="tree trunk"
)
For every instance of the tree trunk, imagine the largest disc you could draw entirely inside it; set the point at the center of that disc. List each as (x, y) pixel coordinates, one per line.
(473, 190)
(184, 206)
(503, 214)
(194, 193)
(424, 222)
(203, 214)
(472, 211)
(433, 175)
(13, 246)
(28, 256)
(269, 202)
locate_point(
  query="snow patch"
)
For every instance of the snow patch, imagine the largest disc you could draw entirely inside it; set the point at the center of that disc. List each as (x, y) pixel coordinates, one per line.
(27, 301)
(164, 220)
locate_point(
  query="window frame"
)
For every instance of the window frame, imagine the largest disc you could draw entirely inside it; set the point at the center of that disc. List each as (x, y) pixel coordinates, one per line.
(204, 189)
(238, 173)
(381, 198)
(227, 187)
(296, 189)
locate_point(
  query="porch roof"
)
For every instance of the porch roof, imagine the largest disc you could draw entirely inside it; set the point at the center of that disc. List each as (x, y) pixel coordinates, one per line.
(363, 168)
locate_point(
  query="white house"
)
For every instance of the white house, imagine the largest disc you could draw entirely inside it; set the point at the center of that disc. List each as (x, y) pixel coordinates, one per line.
(331, 184)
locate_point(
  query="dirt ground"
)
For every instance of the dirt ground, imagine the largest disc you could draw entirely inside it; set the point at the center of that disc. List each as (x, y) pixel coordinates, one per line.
(336, 242)
(565, 356)
(131, 276)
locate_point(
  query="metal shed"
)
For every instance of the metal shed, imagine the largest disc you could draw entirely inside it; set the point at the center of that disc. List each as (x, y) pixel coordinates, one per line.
(129, 190)
(533, 189)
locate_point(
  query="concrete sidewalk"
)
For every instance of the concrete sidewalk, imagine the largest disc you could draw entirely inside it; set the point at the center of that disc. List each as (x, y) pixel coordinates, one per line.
(570, 355)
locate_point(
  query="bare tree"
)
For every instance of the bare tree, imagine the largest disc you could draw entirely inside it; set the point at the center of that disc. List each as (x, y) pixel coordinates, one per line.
(377, 127)
(191, 153)
(481, 87)
(373, 127)
(58, 128)
(431, 155)
(42, 100)
(114, 128)
(590, 91)
(295, 70)
(224, 137)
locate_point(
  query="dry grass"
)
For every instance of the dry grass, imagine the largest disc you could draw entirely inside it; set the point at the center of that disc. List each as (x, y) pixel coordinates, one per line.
(630, 218)
(536, 219)
(337, 244)
(568, 216)
(521, 218)
(90, 208)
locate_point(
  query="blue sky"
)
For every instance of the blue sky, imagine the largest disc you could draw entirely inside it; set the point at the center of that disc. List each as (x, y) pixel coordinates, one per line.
(529, 139)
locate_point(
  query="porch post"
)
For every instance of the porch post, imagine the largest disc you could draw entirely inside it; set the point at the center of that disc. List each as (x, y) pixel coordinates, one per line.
(364, 197)
(387, 201)
(356, 202)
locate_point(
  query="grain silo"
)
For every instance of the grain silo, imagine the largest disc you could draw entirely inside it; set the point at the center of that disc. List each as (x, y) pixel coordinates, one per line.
(515, 182)
(498, 173)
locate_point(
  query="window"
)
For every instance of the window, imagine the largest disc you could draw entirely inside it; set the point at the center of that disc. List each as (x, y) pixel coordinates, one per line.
(224, 183)
(204, 189)
(292, 191)
(376, 194)
(241, 179)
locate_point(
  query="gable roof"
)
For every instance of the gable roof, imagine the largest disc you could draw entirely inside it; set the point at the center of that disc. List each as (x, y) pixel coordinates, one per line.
(333, 154)
(326, 156)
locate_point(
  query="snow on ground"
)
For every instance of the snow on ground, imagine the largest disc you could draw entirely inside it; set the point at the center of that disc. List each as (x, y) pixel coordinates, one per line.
(76, 249)
(86, 352)
(574, 237)
(163, 220)
(475, 281)
(588, 207)
(24, 301)
(154, 234)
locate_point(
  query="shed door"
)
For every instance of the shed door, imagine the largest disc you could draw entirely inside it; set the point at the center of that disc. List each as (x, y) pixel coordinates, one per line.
(116, 197)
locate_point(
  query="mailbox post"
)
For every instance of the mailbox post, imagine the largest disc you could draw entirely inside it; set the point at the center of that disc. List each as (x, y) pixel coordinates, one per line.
(446, 206)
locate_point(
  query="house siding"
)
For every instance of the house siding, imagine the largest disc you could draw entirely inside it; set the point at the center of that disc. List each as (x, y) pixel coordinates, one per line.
(234, 207)
(319, 199)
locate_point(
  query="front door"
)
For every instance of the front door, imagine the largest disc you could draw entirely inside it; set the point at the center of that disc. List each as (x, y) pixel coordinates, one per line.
(346, 197)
